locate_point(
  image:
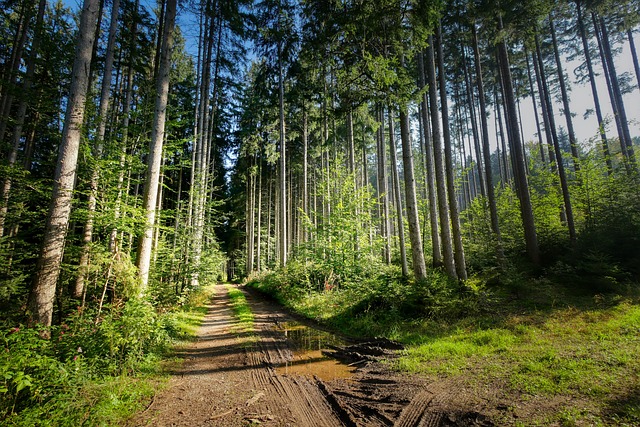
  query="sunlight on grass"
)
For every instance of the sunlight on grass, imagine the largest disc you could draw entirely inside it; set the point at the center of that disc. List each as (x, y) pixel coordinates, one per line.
(241, 310)
(579, 353)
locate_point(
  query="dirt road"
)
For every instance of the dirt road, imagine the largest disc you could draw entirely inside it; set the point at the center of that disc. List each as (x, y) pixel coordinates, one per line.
(231, 379)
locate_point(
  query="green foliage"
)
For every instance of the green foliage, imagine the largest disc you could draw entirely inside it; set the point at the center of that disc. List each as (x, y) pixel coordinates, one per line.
(341, 250)
(95, 368)
(377, 304)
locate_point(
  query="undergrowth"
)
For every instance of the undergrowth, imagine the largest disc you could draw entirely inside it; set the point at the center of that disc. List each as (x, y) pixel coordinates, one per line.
(96, 369)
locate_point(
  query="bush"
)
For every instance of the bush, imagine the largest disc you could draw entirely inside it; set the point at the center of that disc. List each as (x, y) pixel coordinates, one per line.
(35, 373)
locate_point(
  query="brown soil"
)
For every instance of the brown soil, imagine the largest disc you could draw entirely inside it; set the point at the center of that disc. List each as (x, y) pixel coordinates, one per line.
(231, 379)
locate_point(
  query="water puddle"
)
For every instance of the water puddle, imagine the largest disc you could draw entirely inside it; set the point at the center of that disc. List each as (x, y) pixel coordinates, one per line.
(307, 345)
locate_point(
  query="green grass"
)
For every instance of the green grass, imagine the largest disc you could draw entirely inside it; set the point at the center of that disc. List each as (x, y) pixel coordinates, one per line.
(241, 310)
(188, 318)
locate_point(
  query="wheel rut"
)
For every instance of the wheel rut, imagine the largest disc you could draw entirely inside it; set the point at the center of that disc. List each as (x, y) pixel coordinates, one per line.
(231, 379)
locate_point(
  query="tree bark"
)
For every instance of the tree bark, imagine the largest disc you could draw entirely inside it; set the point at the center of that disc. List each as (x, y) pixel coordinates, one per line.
(486, 151)
(443, 205)
(431, 187)
(396, 193)
(413, 216)
(565, 98)
(143, 261)
(526, 210)
(48, 266)
(594, 90)
(105, 98)
(460, 263)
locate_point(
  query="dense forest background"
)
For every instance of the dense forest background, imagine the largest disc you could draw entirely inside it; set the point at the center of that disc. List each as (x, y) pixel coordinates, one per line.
(414, 151)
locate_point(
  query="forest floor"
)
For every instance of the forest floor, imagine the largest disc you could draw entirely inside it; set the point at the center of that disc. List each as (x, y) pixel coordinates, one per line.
(278, 375)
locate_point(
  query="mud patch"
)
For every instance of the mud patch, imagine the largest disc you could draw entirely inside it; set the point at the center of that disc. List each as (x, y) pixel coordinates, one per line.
(308, 346)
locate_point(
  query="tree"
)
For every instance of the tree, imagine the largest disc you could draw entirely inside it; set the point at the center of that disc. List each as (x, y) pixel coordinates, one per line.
(526, 210)
(150, 198)
(48, 268)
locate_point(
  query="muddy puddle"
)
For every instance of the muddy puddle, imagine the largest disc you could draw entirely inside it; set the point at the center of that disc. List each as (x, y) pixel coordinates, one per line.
(307, 345)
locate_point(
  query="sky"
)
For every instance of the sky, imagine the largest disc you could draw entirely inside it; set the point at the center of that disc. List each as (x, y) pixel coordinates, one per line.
(581, 98)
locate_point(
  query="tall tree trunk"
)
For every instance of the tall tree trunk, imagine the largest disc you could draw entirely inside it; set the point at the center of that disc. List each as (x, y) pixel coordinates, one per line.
(486, 151)
(460, 263)
(48, 267)
(105, 97)
(443, 205)
(430, 176)
(474, 128)
(526, 210)
(413, 216)
(594, 90)
(305, 168)
(616, 93)
(573, 143)
(251, 189)
(113, 247)
(383, 191)
(564, 185)
(634, 55)
(283, 164)
(396, 193)
(259, 219)
(143, 261)
(535, 111)
(547, 116)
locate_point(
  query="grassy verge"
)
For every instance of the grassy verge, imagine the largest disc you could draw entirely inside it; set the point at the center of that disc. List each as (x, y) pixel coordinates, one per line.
(93, 372)
(241, 310)
(548, 345)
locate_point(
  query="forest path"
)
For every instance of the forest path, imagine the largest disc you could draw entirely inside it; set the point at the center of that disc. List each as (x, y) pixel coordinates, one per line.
(229, 378)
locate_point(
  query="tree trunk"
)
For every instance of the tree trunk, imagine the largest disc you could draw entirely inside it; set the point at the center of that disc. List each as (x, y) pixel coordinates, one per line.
(474, 129)
(413, 216)
(526, 210)
(460, 263)
(305, 169)
(105, 98)
(6, 98)
(143, 261)
(564, 185)
(396, 193)
(383, 191)
(610, 70)
(634, 55)
(283, 164)
(486, 151)
(431, 187)
(535, 111)
(113, 247)
(48, 267)
(594, 90)
(565, 98)
(443, 205)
